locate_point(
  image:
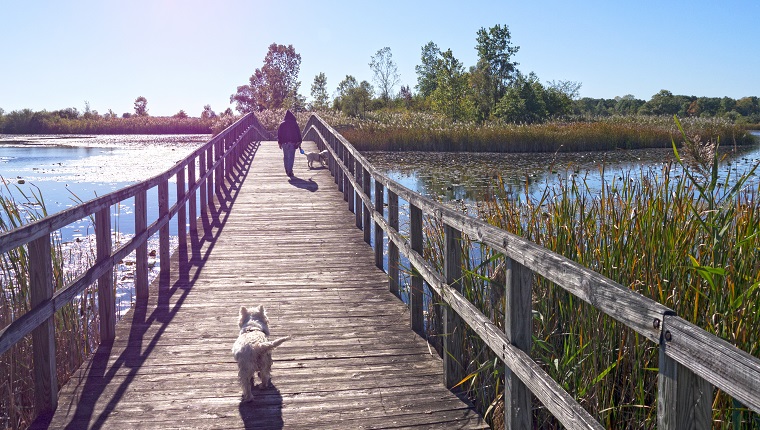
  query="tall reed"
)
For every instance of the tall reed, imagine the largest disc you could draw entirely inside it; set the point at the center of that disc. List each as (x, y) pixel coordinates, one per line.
(416, 131)
(681, 235)
(75, 325)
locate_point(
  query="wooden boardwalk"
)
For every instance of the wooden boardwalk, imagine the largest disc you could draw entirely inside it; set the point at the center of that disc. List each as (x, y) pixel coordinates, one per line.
(292, 246)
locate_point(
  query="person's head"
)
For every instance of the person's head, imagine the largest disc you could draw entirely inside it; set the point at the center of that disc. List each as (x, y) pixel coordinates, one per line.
(289, 116)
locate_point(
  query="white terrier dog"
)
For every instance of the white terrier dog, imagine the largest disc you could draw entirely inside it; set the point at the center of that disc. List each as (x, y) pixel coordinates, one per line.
(313, 157)
(253, 349)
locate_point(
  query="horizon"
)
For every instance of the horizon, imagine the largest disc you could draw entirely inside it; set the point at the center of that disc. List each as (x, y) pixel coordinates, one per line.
(184, 55)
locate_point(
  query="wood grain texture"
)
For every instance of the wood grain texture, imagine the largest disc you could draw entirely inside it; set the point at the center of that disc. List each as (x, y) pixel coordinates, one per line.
(292, 246)
(718, 362)
(43, 337)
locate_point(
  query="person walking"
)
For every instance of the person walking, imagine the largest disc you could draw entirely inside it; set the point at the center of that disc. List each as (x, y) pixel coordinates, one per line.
(289, 139)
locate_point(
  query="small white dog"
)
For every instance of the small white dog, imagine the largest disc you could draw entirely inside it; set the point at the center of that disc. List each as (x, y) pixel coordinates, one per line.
(313, 157)
(253, 349)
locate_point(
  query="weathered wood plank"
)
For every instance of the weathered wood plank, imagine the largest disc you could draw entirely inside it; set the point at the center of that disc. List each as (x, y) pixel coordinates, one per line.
(43, 337)
(351, 359)
(713, 359)
(106, 292)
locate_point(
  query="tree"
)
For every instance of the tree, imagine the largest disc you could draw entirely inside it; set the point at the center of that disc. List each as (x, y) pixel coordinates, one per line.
(559, 96)
(524, 101)
(495, 47)
(141, 106)
(273, 86)
(181, 114)
(663, 103)
(427, 72)
(385, 73)
(481, 82)
(450, 94)
(352, 98)
(207, 112)
(319, 92)
(405, 94)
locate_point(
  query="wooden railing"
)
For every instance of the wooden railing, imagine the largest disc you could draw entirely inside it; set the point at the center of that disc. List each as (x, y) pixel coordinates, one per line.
(215, 161)
(691, 361)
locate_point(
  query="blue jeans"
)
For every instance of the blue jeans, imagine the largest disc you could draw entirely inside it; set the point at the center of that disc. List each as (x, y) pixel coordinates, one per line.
(289, 155)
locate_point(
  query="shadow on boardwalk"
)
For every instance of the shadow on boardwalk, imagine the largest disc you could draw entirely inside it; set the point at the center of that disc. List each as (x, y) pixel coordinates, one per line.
(112, 375)
(290, 245)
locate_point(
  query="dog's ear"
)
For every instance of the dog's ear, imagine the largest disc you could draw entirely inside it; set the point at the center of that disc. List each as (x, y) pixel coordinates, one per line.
(261, 309)
(243, 311)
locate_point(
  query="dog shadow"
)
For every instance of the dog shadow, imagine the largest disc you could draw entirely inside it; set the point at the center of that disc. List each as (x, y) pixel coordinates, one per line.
(309, 185)
(264, 411)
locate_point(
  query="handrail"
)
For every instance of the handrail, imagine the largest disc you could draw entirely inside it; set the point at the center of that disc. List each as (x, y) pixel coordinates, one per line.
(216, 159)
(689, 356)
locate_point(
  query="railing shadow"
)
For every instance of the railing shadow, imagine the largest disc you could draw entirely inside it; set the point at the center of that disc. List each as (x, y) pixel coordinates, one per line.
(148, 327)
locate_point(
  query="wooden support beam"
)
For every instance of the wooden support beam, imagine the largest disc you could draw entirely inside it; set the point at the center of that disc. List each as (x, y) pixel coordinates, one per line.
(43, 337)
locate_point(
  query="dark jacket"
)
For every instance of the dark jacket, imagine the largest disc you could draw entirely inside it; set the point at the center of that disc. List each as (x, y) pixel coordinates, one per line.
(288, 130)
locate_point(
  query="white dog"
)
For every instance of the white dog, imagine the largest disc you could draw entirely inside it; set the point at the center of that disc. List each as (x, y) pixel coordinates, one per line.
(253, 349)
(312, 157)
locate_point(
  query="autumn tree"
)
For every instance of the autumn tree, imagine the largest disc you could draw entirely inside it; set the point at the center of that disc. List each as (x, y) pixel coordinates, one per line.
(141, 106)
(207, 112)
(273, 86)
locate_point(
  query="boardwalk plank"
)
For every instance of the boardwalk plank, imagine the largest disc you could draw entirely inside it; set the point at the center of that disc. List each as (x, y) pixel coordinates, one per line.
(293, 246)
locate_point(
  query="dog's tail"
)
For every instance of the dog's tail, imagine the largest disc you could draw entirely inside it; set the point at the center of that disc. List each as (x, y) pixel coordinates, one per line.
(272, 344)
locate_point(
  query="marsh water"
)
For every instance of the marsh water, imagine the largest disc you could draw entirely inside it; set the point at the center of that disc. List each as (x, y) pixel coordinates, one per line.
(66, 170)
(63, 171)
(469, 177)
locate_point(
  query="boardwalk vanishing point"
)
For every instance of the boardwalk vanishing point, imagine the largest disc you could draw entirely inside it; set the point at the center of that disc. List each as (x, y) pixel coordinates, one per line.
(291, 245)
(299, 246)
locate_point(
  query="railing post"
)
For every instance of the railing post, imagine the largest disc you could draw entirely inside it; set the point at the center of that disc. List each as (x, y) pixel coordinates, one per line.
(452, 327)
(192, 205)
(331, 142)
(218, 177)
(684, 400)
(349, 188)
(415, 291)
(357, 198)
(379, 200)
(106, 299)
(163, 233)
(181, 211)
(393, 253)
(339, 180)
(141, 253)
(210, 179)
(518, 328)
(43, 337)
(367, 186)
(203, 187)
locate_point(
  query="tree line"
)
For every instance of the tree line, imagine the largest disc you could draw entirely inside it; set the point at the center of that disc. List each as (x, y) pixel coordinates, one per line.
(71, 120)
(492, 90)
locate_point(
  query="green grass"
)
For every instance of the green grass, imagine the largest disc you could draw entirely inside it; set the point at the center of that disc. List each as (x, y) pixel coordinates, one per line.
(676, 234)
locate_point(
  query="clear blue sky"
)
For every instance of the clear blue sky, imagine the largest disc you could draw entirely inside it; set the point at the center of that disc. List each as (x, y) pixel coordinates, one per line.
(184, 54)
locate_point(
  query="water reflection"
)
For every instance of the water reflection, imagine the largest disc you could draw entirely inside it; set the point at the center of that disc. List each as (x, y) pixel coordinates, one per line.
(469, 176)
